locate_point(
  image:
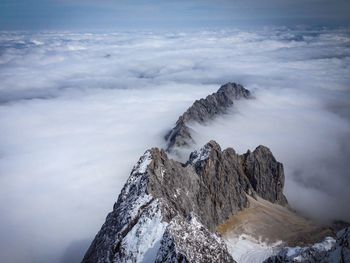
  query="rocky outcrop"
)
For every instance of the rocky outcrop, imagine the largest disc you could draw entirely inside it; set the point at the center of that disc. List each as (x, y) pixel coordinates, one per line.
(328, 251)
(190, 241)
(203, 110)
(261, 161)
(150, 219)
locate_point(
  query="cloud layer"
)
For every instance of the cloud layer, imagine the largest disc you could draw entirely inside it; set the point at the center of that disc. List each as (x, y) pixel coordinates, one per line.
(77, 110)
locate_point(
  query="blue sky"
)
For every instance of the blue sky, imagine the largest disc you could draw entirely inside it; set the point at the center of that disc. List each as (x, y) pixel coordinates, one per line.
(157, 14)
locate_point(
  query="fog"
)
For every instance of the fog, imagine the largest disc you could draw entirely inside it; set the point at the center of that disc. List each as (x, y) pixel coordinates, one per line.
(311, 142)
(77, 110)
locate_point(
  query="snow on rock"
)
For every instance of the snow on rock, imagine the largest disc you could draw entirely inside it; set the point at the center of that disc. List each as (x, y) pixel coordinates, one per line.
(327, 251)
(189, 241)
(303, 254)
(143, 163)
(142, 243)
(200, 155)
(246, 249)
(134, 205)
(198, 158)
(341, 250)
(315, 252)
(325, 245)
(133, 196)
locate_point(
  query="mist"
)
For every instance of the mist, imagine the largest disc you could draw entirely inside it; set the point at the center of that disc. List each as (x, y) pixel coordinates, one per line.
(311, 142)
(78, 110)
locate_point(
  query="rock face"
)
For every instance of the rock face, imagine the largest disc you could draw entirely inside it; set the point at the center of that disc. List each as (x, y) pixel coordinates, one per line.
(261, 161)
(203, 110)
(168, 211)
(190, 241)
(328, 251)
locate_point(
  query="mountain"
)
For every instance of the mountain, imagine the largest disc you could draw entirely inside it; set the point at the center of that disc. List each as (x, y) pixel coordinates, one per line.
(202, 111)
(164, 201)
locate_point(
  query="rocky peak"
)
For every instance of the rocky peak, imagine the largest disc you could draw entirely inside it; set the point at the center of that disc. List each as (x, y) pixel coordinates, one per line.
(152, 212)
(203, 110)
(233, 90)
(204, 153)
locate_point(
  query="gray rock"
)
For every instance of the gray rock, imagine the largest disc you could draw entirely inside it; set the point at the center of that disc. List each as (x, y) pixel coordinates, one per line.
(203, 110)
(261, 161)
(328, 251)
(161, 193)
(190, 241)
(208, 185)
(341, 251)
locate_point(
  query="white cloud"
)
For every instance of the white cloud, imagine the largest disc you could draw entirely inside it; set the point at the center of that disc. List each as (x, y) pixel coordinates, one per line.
(79, 109)
(309, 140)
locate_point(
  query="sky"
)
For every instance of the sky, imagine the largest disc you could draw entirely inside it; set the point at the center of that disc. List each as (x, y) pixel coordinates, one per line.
(159, 14)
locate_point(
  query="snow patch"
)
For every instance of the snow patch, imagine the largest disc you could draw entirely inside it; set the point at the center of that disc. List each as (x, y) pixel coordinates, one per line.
(201, 155)
(325, 245)
(178, 192)
(143, 242)
(136, 180)
(162, 172)
(195, 222)
(299, 254)
(134, 194)
(246, 249)
(138, 203)
(142, 164)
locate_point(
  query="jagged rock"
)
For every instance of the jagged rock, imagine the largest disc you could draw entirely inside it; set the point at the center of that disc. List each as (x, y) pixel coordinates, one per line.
(209, 186)
(328, 251)
(135, 216)
(341, 251)
(261, 161)
(203, 110)
(190, 241)
(213, 185)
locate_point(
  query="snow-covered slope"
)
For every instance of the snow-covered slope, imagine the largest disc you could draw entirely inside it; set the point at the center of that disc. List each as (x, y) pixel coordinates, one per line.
(189, 241)
(327, 251)
(246, 249)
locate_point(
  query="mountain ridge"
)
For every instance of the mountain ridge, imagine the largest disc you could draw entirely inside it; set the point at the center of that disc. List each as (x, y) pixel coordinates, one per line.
(211, 186)
(203, 110)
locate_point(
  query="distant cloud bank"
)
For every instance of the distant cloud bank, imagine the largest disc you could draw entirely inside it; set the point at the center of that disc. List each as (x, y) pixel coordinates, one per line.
(160, 14)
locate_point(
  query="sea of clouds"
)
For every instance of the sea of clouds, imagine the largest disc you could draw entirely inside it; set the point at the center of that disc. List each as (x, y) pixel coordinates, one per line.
(78, 109)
